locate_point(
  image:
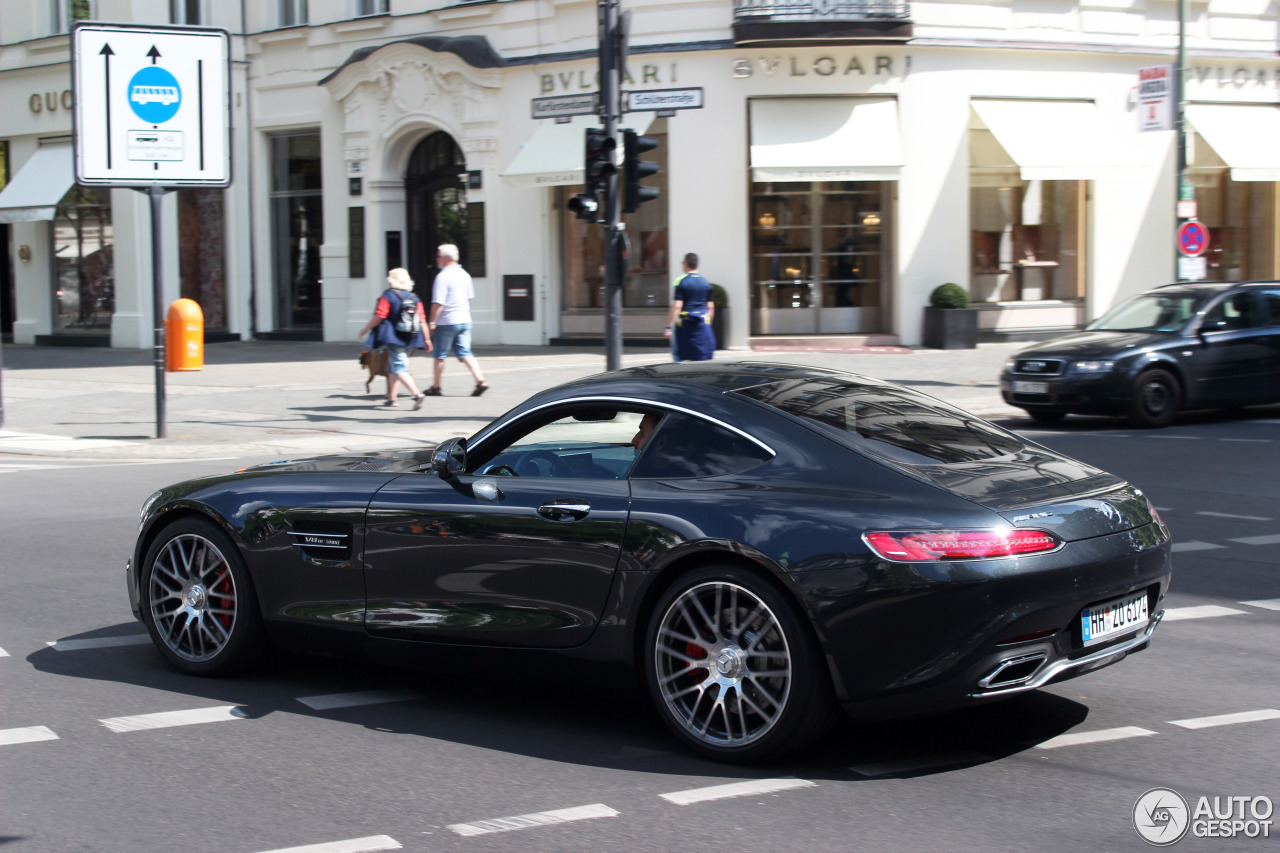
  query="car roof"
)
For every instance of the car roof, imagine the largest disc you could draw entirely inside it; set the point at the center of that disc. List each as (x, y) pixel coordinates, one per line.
(1216, 286)
(721, 375)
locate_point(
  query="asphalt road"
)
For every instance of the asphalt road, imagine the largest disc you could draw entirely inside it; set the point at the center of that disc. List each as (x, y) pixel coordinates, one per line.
(446, 763)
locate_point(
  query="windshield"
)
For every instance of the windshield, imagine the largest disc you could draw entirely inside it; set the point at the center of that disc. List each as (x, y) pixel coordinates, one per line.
(1162, 311)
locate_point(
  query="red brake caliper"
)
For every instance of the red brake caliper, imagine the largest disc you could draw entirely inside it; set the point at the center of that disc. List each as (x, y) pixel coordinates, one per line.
(223, 587)
(694, 650)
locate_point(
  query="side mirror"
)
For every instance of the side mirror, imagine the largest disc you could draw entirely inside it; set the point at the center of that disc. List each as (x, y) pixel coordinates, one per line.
(449, 459)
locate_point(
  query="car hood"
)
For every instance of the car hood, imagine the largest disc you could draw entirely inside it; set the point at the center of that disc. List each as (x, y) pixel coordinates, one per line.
(381, 461)
(1093, 344)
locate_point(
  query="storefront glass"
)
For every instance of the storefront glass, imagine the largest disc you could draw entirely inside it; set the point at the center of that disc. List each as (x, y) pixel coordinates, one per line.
(1244, 233)
(83, 268)
(200, 253)
(1027, 236)
(297, 226)
(648, 283)
(817, 256)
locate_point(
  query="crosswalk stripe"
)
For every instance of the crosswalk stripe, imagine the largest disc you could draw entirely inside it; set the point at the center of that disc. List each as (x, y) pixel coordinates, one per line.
(527, 821)
(351, 845)
(1195, 546)
(98, 642)
(1265, 604)
(1100, 736)
(1204, 611)
(169, 719)
(1227, 719)
(364, 697)
(735, 789)
(1273, 539)
(30, 734)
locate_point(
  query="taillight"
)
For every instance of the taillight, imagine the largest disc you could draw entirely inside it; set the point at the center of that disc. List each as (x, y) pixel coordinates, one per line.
(919, 546)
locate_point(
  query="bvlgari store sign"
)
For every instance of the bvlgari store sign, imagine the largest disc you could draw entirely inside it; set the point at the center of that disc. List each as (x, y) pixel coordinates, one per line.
(823, 66)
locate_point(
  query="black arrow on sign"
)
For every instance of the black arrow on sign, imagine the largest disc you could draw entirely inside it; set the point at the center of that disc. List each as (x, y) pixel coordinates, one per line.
(154, 54)
(106, 53)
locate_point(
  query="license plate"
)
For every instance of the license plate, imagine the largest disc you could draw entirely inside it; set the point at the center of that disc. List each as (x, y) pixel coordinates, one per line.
(1114, 617)
(1020, 387)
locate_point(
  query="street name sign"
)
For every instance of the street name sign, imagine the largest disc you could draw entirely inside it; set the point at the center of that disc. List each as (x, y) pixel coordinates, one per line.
(663, 99)
(563, 106)
(152, 105)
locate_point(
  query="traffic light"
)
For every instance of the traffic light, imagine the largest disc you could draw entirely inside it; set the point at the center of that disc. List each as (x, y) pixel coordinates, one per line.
(585, 206)
(635, 169)
(601, 162)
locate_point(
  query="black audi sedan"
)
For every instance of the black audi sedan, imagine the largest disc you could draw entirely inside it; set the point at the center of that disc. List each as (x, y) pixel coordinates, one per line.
(759, 545)
(1181, 346)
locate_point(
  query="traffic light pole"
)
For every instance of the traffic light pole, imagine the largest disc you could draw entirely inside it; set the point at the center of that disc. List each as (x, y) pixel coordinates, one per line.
(611, 109)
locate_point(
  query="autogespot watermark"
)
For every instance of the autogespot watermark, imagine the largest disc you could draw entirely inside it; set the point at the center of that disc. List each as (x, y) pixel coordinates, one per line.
(1162, 817)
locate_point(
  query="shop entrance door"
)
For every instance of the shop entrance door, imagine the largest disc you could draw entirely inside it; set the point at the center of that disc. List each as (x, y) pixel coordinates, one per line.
(436, 199)
(818, 251)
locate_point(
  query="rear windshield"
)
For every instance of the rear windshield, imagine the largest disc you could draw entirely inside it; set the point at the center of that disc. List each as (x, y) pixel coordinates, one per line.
(888, 421)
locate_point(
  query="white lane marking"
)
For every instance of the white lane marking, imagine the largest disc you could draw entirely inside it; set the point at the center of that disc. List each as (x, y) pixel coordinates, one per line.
(1177, 437)
(1248, 440)
(1273, 539)
(1265, 604)
(1230, 515)
(30, 734)
(364, 697)
(1193, 545)
(736, 789)
(912, 765)
(98, 642)
(1204, 611)
(3, 653)
(526, 821)
(169, 719)
(1100, 736)
(1227, 719)
(351, 845)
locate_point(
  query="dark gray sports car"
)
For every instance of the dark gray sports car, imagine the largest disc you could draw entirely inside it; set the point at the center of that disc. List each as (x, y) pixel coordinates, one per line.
(760, 544)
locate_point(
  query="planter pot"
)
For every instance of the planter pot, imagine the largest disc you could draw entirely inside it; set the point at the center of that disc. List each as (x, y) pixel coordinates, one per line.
(720, 327)
(950, 328)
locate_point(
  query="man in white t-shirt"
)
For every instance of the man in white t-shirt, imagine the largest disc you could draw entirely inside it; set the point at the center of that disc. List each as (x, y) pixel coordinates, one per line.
(450, 320)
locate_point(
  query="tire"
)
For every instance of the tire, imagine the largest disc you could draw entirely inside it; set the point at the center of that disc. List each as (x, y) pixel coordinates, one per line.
(732, 669)
(1046, 416)
(198, 601)
(1155, 399)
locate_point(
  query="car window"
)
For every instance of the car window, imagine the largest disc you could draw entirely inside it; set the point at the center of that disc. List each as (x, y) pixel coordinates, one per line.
(686, 446)
(890, 422)
(1238, 311)
(1271, 302)
(1162, 311)
(581, 443)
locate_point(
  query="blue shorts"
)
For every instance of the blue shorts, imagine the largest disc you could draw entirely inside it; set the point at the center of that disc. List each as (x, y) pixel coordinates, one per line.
(456, 338)
(397, 359)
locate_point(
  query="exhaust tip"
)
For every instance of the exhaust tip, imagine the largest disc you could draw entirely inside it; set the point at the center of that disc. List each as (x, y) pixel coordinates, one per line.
(1013, 671)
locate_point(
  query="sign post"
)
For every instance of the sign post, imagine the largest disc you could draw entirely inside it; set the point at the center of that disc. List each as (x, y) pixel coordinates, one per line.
(152, 112)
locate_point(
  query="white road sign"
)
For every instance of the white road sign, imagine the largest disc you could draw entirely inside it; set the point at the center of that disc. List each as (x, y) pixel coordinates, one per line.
(1155, 98)
(664, 99)
(566, 105)
(152, 105)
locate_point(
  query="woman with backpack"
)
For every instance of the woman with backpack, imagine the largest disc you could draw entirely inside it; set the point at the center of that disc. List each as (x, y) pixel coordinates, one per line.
(397, 324)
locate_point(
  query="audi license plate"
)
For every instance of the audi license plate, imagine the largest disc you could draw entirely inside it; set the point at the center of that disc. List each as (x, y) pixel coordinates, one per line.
(1020, 387)
(1114, 617)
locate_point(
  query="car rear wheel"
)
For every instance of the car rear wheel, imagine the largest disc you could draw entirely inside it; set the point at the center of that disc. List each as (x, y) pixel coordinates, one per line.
(198, 602)
(732, 669)
(1155, 400)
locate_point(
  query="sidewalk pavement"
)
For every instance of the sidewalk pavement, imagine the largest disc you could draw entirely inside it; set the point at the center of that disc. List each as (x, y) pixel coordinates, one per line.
(278, 399)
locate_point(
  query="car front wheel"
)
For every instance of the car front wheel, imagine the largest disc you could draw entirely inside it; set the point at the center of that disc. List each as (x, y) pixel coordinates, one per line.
(733, 671)
(197, 600)
(1155, 400)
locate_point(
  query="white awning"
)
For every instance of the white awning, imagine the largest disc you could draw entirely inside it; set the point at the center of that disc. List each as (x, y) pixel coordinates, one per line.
(1246, 137)
(825, 139)
(40, 184)
(553, 156)
(1056, 140)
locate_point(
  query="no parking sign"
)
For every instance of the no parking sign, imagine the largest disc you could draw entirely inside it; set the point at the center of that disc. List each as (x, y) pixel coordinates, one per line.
(1193, 238)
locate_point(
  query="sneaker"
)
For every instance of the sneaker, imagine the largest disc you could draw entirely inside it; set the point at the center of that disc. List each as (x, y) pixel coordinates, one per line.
(480, 389)
(390, 404)
(418, 401)
(433, 391)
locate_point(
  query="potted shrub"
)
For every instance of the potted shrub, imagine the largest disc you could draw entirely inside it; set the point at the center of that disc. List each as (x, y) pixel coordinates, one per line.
(720, 322)
(949, 322)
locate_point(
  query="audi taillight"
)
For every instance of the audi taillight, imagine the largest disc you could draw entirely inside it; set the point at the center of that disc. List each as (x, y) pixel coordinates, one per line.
(929, 546)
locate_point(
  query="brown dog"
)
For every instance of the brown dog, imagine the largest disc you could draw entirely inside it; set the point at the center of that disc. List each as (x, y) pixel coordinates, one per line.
(375, 361)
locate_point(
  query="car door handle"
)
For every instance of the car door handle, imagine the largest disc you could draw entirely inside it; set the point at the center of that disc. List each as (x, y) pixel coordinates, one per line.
(564, 510)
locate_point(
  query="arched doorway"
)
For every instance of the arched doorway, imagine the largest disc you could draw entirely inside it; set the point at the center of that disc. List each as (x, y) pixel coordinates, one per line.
(436, 199)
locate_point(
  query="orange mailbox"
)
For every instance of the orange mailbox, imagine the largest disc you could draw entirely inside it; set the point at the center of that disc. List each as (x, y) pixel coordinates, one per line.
(184, 336)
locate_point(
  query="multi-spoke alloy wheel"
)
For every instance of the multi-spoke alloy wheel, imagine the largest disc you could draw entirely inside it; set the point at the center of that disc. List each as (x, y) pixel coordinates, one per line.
(732, 669)
(197, 599)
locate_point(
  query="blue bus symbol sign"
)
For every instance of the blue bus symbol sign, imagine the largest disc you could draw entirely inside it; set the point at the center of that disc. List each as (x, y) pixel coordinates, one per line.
(154, 95)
